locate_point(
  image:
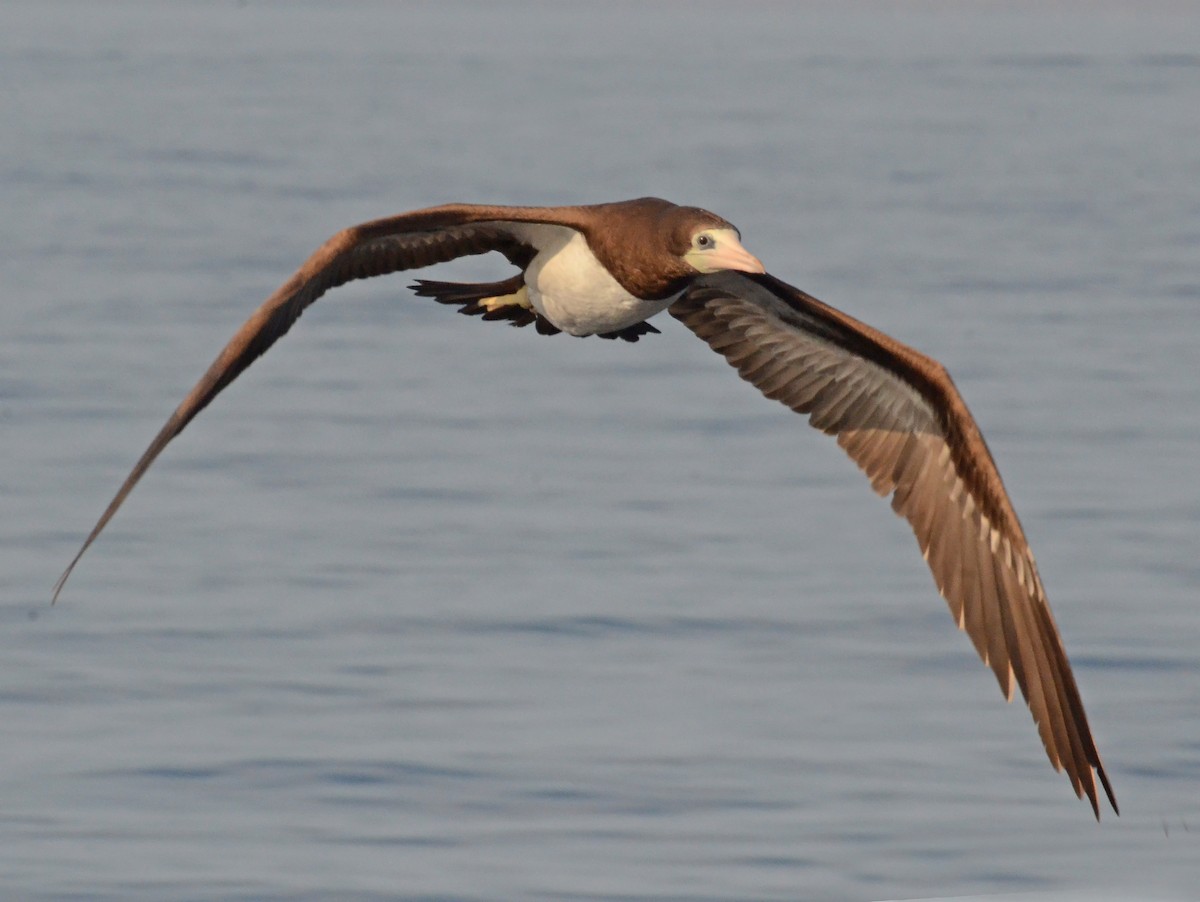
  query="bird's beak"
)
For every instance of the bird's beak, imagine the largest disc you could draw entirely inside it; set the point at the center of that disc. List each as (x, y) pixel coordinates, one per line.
(731, 255)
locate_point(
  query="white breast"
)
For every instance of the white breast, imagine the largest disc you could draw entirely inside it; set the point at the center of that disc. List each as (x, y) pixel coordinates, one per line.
(569, 286)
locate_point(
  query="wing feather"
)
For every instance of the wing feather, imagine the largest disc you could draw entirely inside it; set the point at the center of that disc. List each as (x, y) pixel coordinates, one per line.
(897, 414)
(408, 241)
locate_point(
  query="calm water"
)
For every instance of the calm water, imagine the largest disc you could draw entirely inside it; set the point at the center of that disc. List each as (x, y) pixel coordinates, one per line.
(429, 608)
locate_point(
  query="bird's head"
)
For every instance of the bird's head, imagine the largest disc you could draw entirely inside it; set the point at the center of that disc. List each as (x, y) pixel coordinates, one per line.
(656, 248)
(712, 248)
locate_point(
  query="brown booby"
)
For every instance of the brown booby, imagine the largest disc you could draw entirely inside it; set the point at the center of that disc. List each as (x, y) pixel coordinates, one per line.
(606, 269)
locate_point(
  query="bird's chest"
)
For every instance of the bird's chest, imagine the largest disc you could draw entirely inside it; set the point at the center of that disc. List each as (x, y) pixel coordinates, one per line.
(572, 289)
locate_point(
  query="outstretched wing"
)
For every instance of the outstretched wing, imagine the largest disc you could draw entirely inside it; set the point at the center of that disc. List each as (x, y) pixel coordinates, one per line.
(899, 417)
(408, 241)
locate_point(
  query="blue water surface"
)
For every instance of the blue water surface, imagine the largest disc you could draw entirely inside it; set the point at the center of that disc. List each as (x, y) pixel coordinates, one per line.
(427, 608)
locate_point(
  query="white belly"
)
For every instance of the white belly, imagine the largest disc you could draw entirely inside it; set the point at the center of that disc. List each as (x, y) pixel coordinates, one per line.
(569, 287)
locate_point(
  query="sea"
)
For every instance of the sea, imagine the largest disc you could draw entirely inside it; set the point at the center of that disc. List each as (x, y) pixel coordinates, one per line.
(431, 609)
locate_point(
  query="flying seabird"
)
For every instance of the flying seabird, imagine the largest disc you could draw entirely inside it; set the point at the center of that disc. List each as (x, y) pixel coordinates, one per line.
(605, 269)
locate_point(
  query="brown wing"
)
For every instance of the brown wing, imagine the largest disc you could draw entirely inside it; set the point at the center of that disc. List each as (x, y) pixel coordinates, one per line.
(408, 241)
(899, 417)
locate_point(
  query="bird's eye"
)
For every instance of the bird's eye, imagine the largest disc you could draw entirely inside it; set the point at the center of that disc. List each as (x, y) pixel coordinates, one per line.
(704, 241)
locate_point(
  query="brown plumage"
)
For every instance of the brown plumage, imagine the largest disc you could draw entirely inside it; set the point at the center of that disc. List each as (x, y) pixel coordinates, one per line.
(604, 269)
(898, 415)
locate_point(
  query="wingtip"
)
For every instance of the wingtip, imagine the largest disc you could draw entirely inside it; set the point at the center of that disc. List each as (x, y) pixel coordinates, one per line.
(66, 574)
(62, 580)
(1108, 791)
(1088, 788)
(58, 587)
